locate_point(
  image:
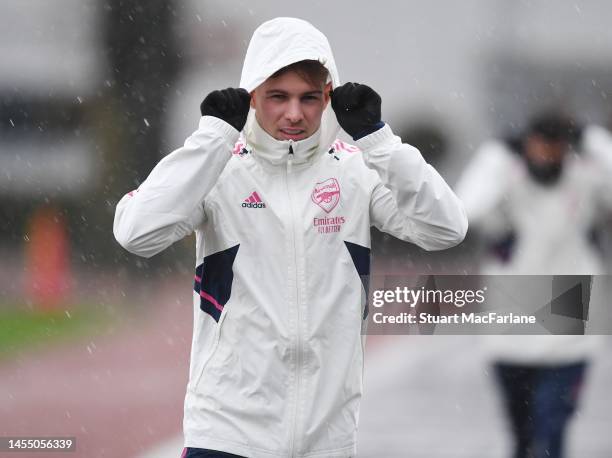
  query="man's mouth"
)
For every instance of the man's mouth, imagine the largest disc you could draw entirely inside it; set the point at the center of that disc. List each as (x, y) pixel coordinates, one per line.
(289, 133)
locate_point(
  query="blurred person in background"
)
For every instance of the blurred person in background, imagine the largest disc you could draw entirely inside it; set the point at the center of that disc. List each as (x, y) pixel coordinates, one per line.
(282, 213)
(537, 200)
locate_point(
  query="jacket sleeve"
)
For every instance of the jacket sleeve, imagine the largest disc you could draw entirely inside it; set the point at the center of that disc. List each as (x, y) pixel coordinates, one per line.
(411, 200)
(483, 186)
(597, 146)
(169, 204)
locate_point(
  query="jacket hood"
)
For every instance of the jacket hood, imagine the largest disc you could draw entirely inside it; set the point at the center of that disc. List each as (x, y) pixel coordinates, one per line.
(281, 42)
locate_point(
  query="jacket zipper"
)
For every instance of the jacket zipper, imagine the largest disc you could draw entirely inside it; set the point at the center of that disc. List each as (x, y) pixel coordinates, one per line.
(290, 161)
(297, 300)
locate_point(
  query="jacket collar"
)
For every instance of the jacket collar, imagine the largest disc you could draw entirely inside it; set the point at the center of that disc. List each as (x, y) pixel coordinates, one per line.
(277, 152)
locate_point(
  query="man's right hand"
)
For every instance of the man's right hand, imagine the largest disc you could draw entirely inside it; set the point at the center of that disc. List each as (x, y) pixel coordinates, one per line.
(231, 105)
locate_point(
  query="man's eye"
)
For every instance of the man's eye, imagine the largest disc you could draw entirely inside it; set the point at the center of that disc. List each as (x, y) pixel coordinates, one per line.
(277, 96)
(310, 98)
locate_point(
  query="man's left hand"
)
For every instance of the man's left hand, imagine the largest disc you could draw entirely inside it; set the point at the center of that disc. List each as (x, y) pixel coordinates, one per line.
(357, 108)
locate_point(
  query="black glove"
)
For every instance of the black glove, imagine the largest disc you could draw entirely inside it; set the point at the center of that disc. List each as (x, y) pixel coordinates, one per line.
(357, 108)
(231, 105)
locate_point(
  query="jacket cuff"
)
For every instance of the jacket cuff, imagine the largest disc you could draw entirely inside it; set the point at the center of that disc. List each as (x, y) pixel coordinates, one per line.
(368, 131)
(375, 139)
(227, 131)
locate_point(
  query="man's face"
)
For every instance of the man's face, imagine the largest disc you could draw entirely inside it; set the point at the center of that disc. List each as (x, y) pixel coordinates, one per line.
(544, 158)
(289, 107)
(544, 152)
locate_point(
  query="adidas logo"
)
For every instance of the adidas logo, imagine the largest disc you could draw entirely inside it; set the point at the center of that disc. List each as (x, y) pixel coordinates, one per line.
(253, 201)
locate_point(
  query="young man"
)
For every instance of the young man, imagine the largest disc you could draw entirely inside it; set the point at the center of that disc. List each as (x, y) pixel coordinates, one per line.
(282, 218)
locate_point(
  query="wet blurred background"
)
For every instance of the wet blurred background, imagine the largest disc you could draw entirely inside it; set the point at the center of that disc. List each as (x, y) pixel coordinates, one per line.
(94, 342)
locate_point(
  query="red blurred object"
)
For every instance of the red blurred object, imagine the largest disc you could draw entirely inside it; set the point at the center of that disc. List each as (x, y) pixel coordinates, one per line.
(47, 259)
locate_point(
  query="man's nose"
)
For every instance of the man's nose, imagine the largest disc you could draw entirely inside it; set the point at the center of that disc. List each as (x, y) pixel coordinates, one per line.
(294, 111)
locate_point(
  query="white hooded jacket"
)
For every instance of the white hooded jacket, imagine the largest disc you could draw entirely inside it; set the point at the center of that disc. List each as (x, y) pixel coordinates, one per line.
(551, 223)
(282, 258)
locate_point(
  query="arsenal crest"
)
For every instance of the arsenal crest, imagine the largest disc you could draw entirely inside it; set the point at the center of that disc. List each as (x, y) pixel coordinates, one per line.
(326, 194)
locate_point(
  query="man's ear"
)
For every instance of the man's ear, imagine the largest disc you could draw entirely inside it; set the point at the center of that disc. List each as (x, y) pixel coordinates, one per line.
(326, 93)
(252, 99)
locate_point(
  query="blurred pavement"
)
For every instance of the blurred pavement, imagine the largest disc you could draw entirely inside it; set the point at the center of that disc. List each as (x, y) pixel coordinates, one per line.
(432, 396)
(119, 393)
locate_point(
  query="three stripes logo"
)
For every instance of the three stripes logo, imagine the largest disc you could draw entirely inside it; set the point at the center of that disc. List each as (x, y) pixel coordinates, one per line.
(253, 201)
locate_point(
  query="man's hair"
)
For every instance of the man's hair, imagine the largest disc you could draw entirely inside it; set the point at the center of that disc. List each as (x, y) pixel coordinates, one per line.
(553, 127)
(311, 71)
